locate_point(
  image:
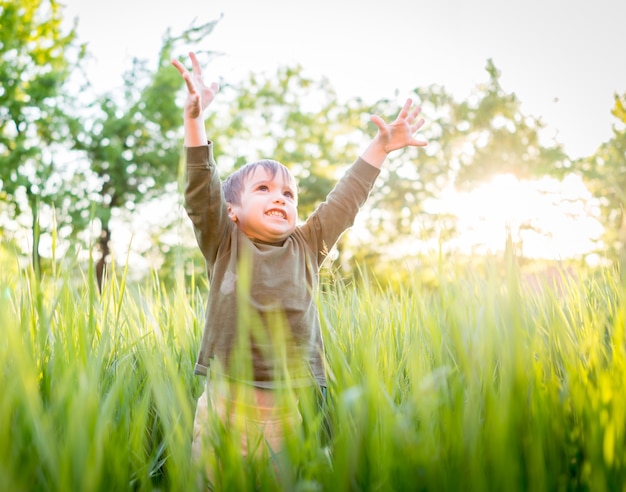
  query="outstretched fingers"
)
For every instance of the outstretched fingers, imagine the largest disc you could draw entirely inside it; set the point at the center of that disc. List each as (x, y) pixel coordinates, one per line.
(412, 119)
(185, 74)
(404, 112)
(417, 125)
(414, 141)
(414, 114)
(179, 66)
(418, 143)
(195, 65)
(409, 117)
(189, 77)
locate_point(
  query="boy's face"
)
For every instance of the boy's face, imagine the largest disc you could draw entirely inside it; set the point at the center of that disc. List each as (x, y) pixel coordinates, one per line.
(268, 208)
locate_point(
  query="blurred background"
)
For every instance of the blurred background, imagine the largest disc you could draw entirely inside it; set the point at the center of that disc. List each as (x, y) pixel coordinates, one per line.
(524, 108)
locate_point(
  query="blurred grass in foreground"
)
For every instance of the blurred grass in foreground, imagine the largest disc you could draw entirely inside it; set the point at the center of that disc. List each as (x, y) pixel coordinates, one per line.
(477, 383)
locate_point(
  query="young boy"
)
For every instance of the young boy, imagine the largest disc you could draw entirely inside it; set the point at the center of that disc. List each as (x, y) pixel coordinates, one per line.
(248, 233)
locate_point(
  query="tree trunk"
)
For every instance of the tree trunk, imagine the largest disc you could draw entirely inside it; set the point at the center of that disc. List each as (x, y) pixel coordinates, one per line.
(103, 243)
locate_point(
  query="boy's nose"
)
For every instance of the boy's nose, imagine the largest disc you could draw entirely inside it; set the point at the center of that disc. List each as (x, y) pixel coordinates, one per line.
(279, 199)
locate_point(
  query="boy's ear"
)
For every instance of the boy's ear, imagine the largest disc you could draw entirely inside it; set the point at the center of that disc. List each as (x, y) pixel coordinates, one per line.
(231, 213)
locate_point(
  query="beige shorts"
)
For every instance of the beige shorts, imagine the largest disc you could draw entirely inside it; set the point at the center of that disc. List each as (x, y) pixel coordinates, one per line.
(256, 419)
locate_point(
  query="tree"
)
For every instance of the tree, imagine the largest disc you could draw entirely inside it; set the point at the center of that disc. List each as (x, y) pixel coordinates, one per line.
(470, 142)
(605, 175)
(37, 57)
(300, 122)
(133, 142)
(503, 140)
(412, 178)
(498, 138)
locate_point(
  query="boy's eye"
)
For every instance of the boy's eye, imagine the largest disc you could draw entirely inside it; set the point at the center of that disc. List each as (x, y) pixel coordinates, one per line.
(289, 194)
(263, 188)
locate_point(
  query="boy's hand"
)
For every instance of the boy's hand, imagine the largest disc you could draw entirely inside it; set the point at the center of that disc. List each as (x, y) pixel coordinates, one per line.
(399, 133)
(395, 135)
(199, 95)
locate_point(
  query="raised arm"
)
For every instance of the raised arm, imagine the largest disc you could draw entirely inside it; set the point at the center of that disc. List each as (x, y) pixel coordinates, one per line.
(395, 135)
(199, 96)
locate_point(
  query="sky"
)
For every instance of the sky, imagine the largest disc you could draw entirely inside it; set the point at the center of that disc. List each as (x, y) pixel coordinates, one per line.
(562, 58)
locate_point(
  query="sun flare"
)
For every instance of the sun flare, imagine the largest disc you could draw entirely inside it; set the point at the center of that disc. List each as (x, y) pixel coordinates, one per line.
(548, 218)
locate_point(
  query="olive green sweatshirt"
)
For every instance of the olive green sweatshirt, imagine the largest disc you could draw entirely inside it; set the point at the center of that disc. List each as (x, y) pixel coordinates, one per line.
(261, 311)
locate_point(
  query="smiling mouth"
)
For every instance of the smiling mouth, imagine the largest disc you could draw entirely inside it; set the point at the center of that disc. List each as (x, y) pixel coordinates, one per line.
(276, 213)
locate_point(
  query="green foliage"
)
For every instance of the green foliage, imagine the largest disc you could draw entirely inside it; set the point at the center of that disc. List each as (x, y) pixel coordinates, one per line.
(128, 141)
(604, 174)
(477, 381)
(411, 177)
(143, 130)
(469, 142)
(502, 140)
(619, 111)
(91, 399)
(479, 384)
(133, 141)
(36, 59)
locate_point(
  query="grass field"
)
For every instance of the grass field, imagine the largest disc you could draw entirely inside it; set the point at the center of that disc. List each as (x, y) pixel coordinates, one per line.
(472, 382)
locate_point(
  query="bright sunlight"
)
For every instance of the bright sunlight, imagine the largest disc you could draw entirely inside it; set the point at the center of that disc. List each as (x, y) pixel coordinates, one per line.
(548, 218)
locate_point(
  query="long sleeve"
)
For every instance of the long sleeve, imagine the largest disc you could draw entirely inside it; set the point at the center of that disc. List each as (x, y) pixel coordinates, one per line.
(204, 201)
(337, 213)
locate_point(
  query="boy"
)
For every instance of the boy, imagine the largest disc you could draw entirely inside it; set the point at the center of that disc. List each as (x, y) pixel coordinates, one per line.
(251, 220)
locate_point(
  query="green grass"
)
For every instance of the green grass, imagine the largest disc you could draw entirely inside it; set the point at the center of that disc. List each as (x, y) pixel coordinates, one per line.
(471, 383)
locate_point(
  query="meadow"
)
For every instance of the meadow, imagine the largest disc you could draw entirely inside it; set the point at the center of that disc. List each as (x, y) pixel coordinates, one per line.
(470, 381)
